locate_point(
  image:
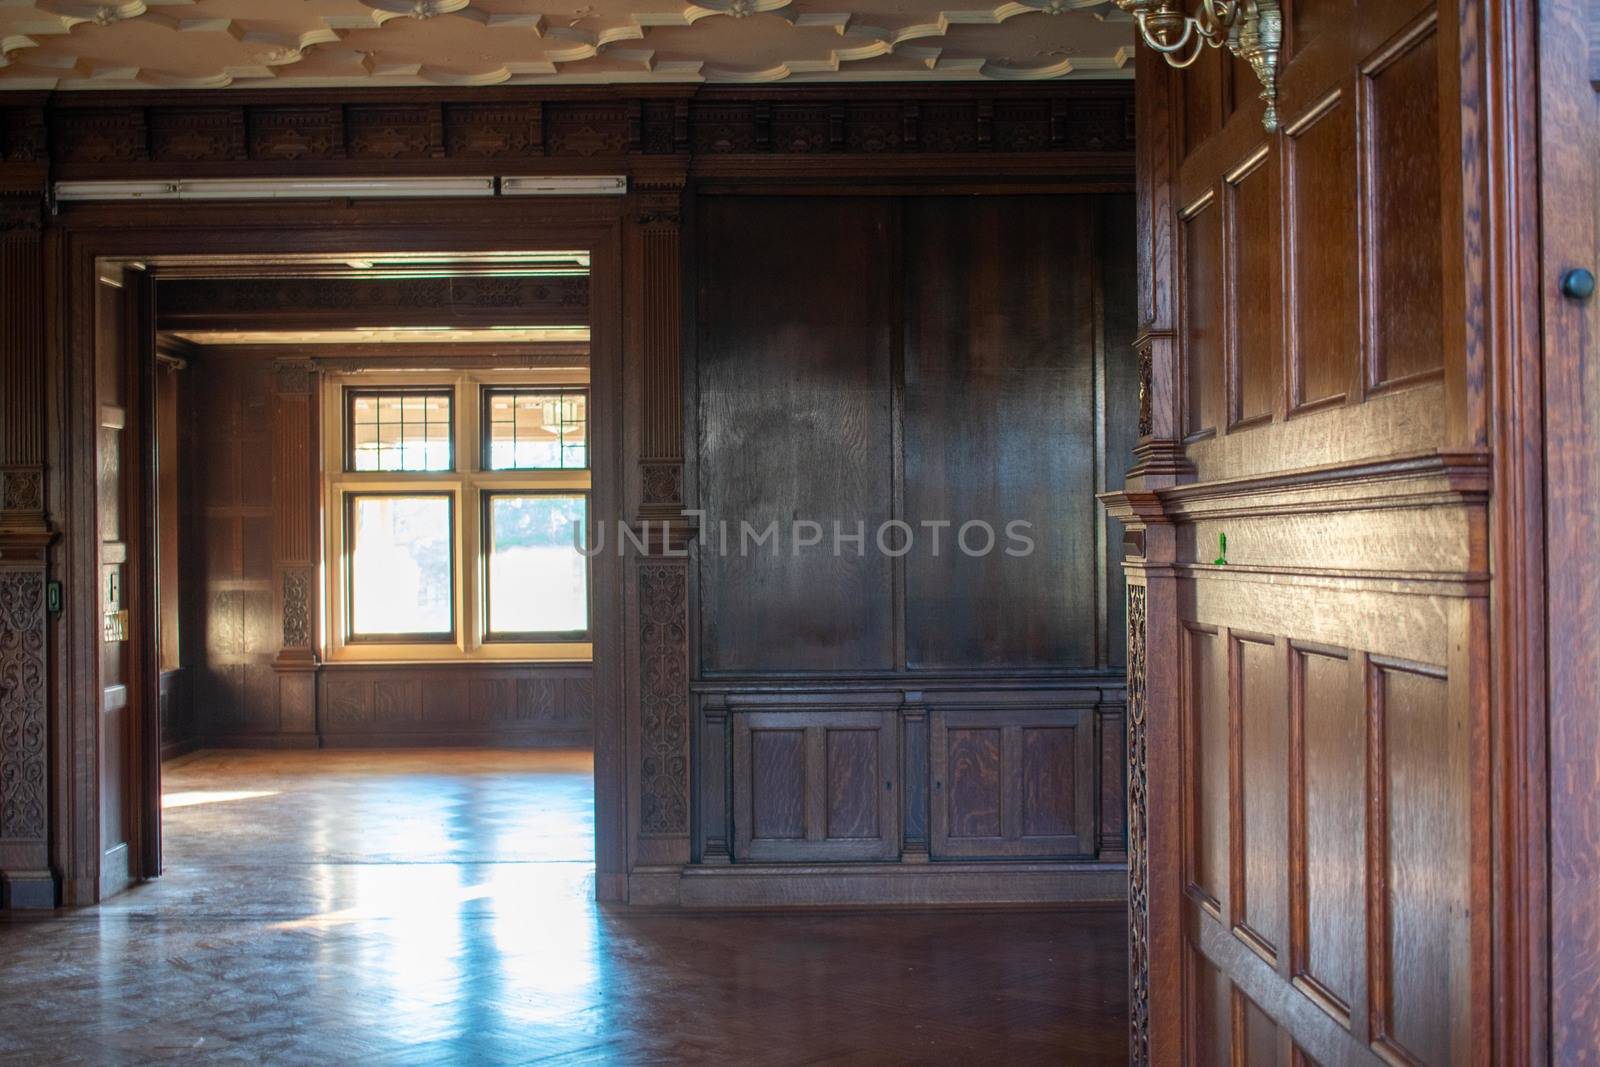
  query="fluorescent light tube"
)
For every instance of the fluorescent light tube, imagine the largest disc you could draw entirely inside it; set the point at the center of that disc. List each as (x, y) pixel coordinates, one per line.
(565, 185)
(275, 188)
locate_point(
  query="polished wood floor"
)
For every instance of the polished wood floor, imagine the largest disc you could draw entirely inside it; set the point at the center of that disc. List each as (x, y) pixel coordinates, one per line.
(438, 907)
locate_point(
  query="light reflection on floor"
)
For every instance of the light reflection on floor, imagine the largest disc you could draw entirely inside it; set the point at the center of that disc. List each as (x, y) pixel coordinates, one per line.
(438, 907)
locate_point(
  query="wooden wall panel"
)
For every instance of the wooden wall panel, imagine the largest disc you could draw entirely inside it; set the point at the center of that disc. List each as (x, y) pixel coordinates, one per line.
(450, 704)
(815, 785)
(1203, 317)
(1253, 291)
(1324, 269)
(794, 371)
(999, 425)
(1404, 228)
(1260, 829)
(1330, 706)
(1012, 782)
(1209, 767)
(1423, 880)
(1210, 1014)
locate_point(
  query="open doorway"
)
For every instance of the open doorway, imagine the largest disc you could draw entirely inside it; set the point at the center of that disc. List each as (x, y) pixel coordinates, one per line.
(344, 610)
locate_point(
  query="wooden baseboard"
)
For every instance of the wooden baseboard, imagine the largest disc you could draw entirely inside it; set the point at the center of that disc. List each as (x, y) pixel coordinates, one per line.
(580, 738)
(879, 885)
(274, 741)
(27, 891)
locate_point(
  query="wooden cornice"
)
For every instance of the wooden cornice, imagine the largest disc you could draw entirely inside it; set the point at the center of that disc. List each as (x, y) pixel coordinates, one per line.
(1015, 132)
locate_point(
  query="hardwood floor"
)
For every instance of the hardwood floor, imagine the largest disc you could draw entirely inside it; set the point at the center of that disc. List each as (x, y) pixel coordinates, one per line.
(437, 907)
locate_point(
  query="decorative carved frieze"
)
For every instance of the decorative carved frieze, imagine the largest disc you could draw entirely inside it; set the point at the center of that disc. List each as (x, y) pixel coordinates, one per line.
(586, 130)
(135, 137)
(23, 729)
(296, 133)
(22, 135)
(493, 131)
(395, 131)
(1138, 842)
(663, 698)
(192, 135)
(468, 300)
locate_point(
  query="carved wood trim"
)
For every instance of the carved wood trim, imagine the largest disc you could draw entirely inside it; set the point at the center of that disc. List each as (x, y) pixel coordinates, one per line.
(1138, 846)
(663, 698)
(23, 727)
(414, 131)
(657, 295)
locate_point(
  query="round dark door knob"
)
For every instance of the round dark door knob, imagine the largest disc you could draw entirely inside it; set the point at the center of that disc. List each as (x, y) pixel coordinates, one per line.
(1577, 284)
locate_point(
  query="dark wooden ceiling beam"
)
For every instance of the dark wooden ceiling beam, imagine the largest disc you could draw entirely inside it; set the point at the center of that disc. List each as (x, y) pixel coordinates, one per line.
(301, 303)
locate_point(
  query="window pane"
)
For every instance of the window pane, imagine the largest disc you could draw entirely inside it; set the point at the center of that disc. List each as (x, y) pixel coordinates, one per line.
(400, 574)
(543, 430)
(400, 431)
(538, 580)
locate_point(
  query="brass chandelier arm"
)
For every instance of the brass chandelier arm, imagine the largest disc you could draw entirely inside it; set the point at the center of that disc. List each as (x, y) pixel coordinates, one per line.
(1252, 30)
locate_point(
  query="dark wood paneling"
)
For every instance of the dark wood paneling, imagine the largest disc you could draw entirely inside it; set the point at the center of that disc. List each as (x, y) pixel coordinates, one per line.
(484, 703)
(1331, 704)
(1260, 831)
(1325, 327)
(1012, 781)
(1424, 877)
(1202, 311)
(999, 420)
(1405, 226)
(468, 301)
(1208, 765)
(794, 385)
(816, 785)
(1253, 291)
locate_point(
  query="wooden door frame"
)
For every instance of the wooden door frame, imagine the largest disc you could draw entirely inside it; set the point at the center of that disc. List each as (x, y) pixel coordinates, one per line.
(1510, 360)
(86, 234)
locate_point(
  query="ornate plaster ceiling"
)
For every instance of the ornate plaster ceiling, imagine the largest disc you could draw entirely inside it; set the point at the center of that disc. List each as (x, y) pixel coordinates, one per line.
(188, 44)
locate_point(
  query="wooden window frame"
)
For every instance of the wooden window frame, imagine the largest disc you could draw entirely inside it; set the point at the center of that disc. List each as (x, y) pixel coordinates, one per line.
(469, 484)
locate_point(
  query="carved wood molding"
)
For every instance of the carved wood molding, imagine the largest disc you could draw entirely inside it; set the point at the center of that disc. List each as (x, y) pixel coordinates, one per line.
(663, 698)
(656, 288)
(23, 728)
(425, 130)
(1138, 840)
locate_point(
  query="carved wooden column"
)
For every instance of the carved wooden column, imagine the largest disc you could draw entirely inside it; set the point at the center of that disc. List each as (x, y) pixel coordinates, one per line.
(658, 572)
(295, 495)
(1155, 802)
(25, 534)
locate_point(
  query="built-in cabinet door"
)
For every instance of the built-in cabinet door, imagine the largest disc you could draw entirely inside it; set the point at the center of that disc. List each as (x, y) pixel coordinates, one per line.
(1015, 782)
(815, 786)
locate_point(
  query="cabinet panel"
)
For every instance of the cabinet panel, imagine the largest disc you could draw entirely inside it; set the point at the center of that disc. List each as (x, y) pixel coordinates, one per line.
(815, 785)
(1014, 782)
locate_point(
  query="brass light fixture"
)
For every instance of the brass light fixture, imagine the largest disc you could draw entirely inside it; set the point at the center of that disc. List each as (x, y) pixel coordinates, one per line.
(1252, 30)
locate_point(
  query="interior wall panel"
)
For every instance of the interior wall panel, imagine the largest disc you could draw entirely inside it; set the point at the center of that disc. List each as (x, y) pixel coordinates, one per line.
(1331, 704)
(1324, 268)
(1425, 862)
(1000, 349)
(1261, 727)
(1254, 290)
(794, 369)
(1405, 236)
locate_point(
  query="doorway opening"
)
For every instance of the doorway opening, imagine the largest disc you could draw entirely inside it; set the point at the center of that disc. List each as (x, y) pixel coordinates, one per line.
(346, 621)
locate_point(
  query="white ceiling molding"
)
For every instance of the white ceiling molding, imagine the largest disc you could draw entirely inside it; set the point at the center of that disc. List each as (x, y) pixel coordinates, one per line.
(104, 44)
